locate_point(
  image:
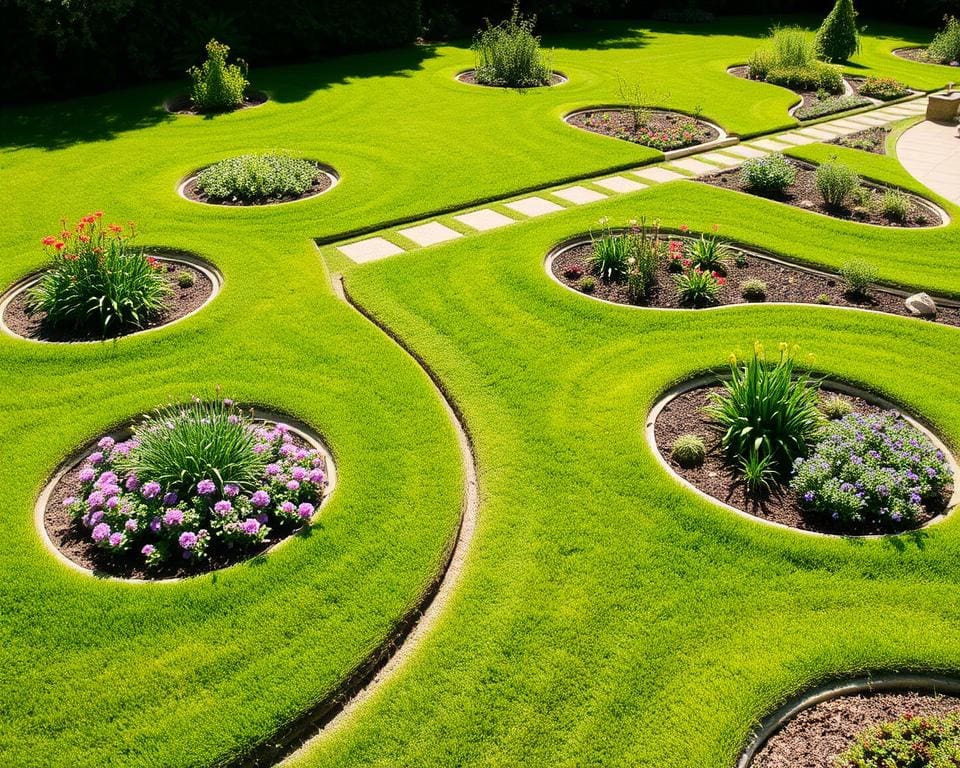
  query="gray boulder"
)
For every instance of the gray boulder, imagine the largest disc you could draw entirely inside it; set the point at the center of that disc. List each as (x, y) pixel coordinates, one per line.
(921, 304)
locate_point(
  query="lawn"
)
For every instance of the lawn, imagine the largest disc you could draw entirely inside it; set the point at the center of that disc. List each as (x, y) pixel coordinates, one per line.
(605, 615)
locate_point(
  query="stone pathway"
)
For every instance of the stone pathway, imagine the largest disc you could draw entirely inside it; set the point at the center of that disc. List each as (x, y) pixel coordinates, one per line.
(930, 155)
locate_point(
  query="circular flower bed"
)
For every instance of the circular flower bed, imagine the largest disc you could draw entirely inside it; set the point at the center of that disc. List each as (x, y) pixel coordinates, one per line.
(98, 286)
(190, 488)
(470, 78)
(657, 129)
(259, 180)
(184, 104)
(803, 453)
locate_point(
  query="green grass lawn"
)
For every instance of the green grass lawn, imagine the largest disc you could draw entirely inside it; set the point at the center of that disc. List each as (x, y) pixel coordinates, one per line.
(606, 615)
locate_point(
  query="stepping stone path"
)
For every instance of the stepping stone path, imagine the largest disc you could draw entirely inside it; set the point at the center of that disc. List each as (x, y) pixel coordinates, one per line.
(929, 151)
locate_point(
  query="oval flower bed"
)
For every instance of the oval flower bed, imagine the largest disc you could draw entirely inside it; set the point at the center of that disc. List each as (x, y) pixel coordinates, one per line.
(183, 104)
(470, 78)
(99, 286)
(800, 452)
(258, 180)
(657, 129)
(189, 488)
(866, 730)
(654, 268)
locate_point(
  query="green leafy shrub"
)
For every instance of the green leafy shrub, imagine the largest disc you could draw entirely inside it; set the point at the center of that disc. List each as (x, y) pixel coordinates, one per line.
(838, 37)
(836, 407)
(911, 741)
(792, 47)
(836, 183)
(871, 467)
(761, 62)
(824, 298)
(895, 205)
(946, 43)
(858, 275)
(688, 450)
(767, 413)
(508, 54)
(768, 175)
(753, 290)
(98, 283)
(831, 105)
(185, 279)
(789, 59)
(884, 88)
(815, 77)
(610, 253)
(255, 178)
(587, 285)
(698, 288)
(708, 253)
(217, 85)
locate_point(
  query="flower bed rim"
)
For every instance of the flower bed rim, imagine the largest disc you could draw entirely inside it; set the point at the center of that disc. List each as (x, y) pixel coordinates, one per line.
(708, 379)
(563, 80)
(882, 682)
(898, 52)
(580, 240)
(209, 270)
(722, 135)
(326, 170)
(171, 101)
(260, 415)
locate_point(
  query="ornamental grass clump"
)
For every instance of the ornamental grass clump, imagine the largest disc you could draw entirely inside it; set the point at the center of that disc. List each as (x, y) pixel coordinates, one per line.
(256, 178)
(789, 59)
(610, 254)
(911, 741)
(770, 175)
(767, 414)
(645, 253)
(98, 283)
(508, 54)
(709, 253)
(875, 468)
(696, 287)
(218, 86)
(836, 183)
(196, 480)
(689, 450)
(945, 47)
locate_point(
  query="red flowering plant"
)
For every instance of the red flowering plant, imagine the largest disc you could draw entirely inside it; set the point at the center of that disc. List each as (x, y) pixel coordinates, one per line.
(98, 283)
(697, 287)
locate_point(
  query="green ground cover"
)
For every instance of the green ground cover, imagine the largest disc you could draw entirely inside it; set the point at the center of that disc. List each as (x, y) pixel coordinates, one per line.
(606, 615)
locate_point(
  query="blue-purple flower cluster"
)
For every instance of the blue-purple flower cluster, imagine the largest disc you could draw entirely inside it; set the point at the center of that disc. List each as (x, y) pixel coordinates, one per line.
(871, 468)
(129, 514)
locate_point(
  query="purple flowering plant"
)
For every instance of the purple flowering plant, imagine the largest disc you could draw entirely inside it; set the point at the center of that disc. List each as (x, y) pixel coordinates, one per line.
(876, 468)
(197, 478)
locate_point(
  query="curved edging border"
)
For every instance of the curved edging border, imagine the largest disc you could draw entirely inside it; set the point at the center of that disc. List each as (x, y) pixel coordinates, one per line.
(563, 80)
(326, 170)
(212, 273)
(566, 245)
(830, 385)
(299, 428)
(898, 52)
(881, 683)
(723, 139)
(412, 629)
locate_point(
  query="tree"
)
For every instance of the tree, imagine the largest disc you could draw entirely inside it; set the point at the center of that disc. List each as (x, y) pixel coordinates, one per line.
(838, 38)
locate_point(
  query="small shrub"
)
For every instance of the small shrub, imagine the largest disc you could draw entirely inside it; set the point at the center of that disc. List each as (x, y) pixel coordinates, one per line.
(636, 99)
(255, 178)
(697, 288)
(610, 253)
(708, 253)
(836, 183)
(98, 283)
(911, 741)
(753, 290)
(830, 105)
(871, 467)
(688, 450)
(884, 88)
(217, 85)
(677, 260)
(645, 252)
(858, 275)
(760, 64)
(838, 38)
(509, 55)
(836, 407)
(587, 285)
(573, 272)
(792, 47)
(945, 47)
(768, 175)
(824, 298)
(185, 279)
(767, 411)
(895, 205)
(814, 77)
(789, 59)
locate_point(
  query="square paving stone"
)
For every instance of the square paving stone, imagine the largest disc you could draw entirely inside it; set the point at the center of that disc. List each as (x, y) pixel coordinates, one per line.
(534, 206)
(579, 195)
(484, 219)
(773, 146)
(819, 133)
(720, 159)
(742, 151)
(796, 139)
(693, 165)
(659, 175)
(620, 184)
(370, 249)
(429, 234)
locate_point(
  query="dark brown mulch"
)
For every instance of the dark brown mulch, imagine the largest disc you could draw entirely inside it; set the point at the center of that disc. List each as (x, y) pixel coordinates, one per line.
(821, 733)
(183, 104)
(182, 302)
(784, 283)
(717, 477)
(73, 540)
(871, 140)
(320, 184)
(920, 55)
(470, 78)
(619, 124)
(803, 194)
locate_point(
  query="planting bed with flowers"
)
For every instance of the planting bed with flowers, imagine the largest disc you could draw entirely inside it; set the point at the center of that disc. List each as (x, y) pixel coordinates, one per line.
(194, 488)
(259, 179)
(656, 129)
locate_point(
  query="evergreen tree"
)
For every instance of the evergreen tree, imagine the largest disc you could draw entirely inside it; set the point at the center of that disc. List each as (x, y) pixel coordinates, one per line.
(838, 38)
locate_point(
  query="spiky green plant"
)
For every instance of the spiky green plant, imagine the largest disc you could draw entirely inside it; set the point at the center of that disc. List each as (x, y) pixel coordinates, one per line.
(508, 54)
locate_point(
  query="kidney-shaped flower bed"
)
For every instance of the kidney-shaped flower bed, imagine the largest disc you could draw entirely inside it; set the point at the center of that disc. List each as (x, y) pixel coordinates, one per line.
(654, 128)
(784, 447)
(259, 179)
(189, 488)
(99, 286)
